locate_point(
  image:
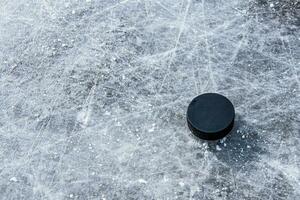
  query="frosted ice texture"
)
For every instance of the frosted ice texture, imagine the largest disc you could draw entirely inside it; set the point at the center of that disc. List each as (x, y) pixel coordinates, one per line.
(93, 96)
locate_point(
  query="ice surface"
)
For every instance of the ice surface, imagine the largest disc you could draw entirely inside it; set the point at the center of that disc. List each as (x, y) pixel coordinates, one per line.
(93, 95)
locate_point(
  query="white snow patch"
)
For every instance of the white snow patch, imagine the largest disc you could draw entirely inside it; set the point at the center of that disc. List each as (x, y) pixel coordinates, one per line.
(142, 181)
(13, 179)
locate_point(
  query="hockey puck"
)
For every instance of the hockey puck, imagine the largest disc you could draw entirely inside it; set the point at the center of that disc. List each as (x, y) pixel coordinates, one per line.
(210, 116)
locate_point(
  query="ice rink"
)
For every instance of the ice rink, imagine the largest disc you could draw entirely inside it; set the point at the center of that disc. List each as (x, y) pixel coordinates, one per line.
(93, 99)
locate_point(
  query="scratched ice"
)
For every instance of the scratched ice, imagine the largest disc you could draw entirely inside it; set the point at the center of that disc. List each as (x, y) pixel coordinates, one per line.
(93, 96)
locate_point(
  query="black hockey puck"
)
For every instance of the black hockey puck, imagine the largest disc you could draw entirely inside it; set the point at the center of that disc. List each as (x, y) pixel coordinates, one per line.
(210, 116)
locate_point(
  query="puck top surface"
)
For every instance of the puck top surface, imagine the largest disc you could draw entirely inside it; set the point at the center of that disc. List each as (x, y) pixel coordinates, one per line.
(210, 116)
